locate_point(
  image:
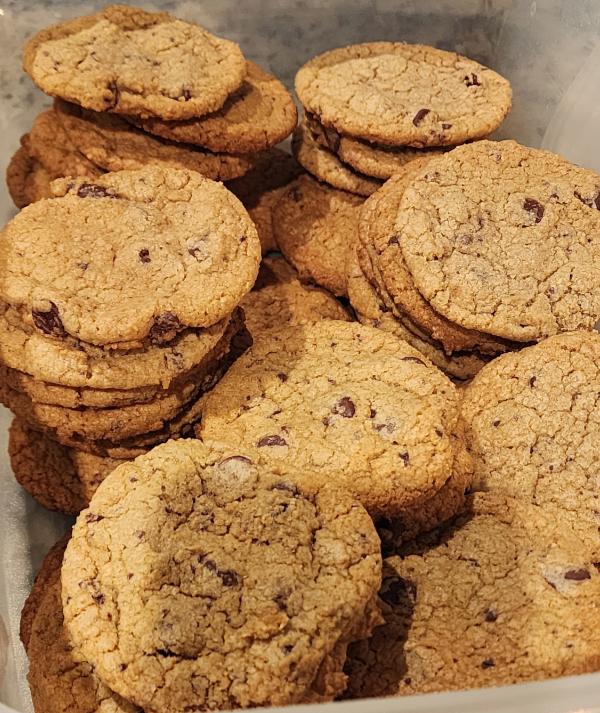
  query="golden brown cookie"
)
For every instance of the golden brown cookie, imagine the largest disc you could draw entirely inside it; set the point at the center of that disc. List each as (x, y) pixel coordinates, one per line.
(317, 397)
(62, 479)
(129, 61)
(261, 113)
(326, 166)
(225, 529)
(261, 188)
(314, 225)
(504, 239)
(116, 145)
(403, 95)
(503, 595)
(26, 178)
(279, 300)
(132, 255)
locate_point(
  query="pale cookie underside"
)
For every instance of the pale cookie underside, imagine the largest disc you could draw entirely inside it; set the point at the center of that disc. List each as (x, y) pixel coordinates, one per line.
(403, 95)
(326, 166)
(129, 61)
(316, 396)
(193, 256)
(505, 239)
(261, 113)
(225, 582)
(314, 226)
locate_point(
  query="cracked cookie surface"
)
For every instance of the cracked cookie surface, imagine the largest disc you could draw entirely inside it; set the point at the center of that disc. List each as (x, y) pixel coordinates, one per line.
(314, 226)
(197, 604)
(261, 113)
(533, 425)
(130, 61)
(502, 595)
(505, 239)
(133, 255)
(355, 405)
(403, 95)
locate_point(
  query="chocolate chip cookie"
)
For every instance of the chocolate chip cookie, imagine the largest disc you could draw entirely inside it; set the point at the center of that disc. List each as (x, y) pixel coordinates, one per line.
(225, 529)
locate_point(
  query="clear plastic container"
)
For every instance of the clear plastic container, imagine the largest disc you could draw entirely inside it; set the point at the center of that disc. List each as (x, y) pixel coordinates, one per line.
(550, 51)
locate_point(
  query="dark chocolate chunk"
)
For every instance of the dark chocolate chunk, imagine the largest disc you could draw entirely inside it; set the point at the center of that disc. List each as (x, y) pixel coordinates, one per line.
(420, 115)
(164, 328)
(344, 407)
(145, 256)
(536, 209)
(271, 441)
(49, 322)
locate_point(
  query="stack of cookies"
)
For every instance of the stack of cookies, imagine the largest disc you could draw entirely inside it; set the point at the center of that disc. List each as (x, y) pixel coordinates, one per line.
(134, 89)
(369, 110)
(272, 584)
(119, 310)
(479, 252)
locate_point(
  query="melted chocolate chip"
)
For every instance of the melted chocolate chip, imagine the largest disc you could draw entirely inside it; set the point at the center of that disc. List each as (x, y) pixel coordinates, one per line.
(532, 381)
(122, 666)
(282, 377)
(446, 126)
(164, 328)
(92, 190)
(534, 208)
(417, 361)
(344, 407)
(288, 648)
(82, 265)
(472, 80)
(408, 681)
(420, 115)
(92, 517)
(487, 663)
(271, 441)
(286, 487)
(228, 577)
(406, 458)
(578, 575)
(98, 597)
(49, 322)
(373, 413)
(393, 240)
(490, 615)
(145, 256)
(243, 459)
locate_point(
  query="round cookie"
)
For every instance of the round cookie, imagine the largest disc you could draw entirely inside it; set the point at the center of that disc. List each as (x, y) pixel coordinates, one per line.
(376, 232)
(61, 479)
(51, 146)
(60, 679)
(403, 95)
(149, 253)
(261, 113)
(27, 180)
(370, 159)
(326, 166)
(129, 61)
(318, 397)
(314, 225)
(533, 428)
(113, 424)
(372, 311)
(261, 188)
(51, 564)
(279, 300)
(113, 143)
(78, 365)
(242, 622)
(503, 595)
(505, 239)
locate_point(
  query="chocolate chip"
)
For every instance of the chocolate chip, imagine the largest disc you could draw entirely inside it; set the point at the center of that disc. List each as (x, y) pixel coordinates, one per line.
(93, 190)
(578, 575)
(446, 126)
(166, 652)
(496, 423)
(271, 441)
(439, 433)
(373, 413)
(92, 517)
(49, 322)
(490, 615)
(186, 95)
(145, 256)
(139, 534)
(288, 648)
(130, 575)
(296, 194)
(532, 381)
(282, 377)
(164, 328)
(536, 209)
(133, 479)
(472, 80)
(326, 421)
(393, 240)
(389, 427)
(82, 265)
(417, 361)
(98, 598)
(286, 487)
(487, 663)
(281, 600)
(408, 681)
(344, 407)
(395, 589)
(406, 458)
(243, 459)
(122, 666)
(420, 115)
(229, 578)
